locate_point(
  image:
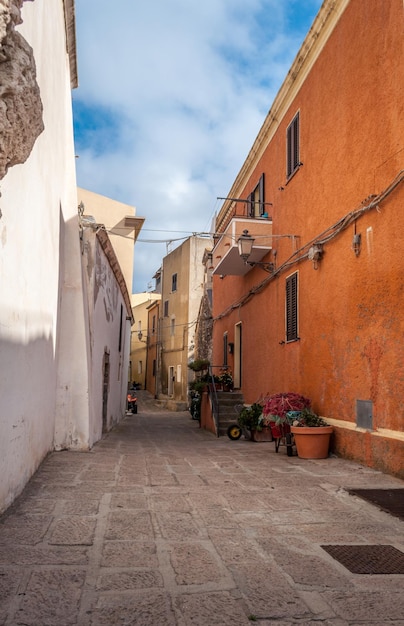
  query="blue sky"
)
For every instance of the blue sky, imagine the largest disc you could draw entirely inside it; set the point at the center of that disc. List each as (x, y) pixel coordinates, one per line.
(171, 96)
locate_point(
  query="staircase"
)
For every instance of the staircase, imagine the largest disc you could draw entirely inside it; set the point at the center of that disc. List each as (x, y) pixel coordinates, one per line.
(227, 401)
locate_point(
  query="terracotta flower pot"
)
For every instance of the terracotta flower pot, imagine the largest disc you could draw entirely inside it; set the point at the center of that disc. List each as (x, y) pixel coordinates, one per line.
(262, 435)
(312, 443)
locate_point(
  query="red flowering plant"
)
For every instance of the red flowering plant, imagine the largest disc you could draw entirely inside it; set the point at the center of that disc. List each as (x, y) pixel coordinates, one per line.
(277, 406)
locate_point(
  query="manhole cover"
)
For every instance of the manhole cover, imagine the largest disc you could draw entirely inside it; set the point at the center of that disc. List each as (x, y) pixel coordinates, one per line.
(364, 559)
(389, 500)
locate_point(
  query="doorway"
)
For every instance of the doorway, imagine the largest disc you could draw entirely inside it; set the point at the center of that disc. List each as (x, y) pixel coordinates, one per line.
(105, 389)
(171, 378)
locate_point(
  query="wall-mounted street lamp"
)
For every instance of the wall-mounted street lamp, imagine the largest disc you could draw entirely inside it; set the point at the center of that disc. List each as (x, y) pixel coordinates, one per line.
(245, 245)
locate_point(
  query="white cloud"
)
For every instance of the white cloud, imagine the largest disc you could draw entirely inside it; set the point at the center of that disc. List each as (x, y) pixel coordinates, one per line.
(176, 91)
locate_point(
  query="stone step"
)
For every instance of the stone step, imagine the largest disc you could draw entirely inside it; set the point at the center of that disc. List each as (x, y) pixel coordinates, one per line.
(228, 400)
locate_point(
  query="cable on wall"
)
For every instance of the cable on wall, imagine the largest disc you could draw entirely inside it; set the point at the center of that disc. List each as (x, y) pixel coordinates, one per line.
(328, 234)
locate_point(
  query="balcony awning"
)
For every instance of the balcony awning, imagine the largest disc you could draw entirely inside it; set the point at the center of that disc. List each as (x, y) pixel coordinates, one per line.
(225, 255)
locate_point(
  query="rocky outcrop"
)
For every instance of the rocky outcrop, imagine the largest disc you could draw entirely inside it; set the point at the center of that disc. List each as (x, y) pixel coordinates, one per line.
(20, 100)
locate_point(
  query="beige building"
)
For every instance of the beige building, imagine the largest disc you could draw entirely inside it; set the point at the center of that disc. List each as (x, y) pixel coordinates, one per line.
(182, 289)
(120, 222)
(139, 336)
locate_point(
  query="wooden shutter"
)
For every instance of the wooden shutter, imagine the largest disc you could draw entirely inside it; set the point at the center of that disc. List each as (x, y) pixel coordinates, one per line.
(250, 205)
(293, 146)
(261, 186)
(174, 282)
(291, 308)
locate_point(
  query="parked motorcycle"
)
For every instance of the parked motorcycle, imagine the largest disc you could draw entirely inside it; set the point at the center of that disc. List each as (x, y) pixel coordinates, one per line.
(195, 405)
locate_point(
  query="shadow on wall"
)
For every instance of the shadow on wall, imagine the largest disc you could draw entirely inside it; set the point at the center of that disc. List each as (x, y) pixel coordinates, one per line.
(27, 412)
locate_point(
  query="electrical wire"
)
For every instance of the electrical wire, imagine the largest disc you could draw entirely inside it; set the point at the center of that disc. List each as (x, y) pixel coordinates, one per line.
(327, 235)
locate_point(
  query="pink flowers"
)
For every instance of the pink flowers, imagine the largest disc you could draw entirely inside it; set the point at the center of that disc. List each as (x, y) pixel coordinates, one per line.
(277, 405)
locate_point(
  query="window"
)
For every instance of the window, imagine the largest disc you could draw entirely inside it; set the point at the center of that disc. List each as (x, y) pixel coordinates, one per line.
(154, 325)
(172, 327)
(291, 308)
(256, 199)
(165, 308)
(174, 282)
(292, 149)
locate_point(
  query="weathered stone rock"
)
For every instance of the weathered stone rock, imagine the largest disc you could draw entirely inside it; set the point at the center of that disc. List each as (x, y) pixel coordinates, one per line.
(20, 101)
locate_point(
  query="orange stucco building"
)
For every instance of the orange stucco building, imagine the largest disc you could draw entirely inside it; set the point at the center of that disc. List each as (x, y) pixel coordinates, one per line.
(321, 194)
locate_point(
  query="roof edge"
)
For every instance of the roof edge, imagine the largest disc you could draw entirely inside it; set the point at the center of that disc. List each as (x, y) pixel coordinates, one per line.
(70, 27)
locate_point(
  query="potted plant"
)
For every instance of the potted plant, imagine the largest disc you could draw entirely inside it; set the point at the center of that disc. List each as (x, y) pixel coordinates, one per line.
(311, 434)
(197, 385)
(199, 365)
(251, 419)
(226, 380)
(276, 408)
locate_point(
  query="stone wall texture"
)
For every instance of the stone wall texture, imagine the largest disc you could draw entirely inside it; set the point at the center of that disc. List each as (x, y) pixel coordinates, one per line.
(20, 101)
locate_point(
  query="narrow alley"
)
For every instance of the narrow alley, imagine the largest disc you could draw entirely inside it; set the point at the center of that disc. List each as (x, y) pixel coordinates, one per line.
(163, 524)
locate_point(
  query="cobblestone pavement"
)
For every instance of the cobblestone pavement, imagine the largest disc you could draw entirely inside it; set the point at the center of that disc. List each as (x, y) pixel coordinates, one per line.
(163, 524)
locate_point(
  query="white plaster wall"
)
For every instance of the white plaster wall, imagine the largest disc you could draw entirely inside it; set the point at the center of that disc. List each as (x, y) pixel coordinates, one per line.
(104, 313)
(37, 197)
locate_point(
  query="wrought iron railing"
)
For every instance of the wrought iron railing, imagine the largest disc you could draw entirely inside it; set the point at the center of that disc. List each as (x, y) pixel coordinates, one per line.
(214, 402)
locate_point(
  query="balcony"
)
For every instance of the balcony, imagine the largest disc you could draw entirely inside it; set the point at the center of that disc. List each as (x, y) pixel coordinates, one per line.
(226, 259)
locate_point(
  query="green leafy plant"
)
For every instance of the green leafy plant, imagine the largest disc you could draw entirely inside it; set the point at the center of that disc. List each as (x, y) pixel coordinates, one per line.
(226, 379)
(250, 417)
(309, 419)
(197, 385)
(199, 365)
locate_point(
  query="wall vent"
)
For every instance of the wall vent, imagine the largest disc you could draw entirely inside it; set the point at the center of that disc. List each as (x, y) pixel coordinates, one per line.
(364, 414)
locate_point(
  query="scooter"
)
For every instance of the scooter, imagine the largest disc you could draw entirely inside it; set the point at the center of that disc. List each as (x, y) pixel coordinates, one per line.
(132, 402)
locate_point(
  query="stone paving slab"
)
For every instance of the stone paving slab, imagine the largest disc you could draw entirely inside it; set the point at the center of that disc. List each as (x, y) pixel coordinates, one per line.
(163, 524)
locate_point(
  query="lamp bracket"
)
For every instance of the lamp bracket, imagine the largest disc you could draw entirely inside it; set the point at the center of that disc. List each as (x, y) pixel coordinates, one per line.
(268, 267)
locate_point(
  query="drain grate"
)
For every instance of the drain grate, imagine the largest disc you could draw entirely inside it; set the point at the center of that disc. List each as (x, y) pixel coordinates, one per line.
(389, 500)
(365, 559)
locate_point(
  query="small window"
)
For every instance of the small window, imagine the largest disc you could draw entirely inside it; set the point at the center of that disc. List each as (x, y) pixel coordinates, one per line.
(291, 308)
(293, 148)
(256, 206)
(165, 308)
(154, 367)
(172, 327)
(174, 282)
(154, 325)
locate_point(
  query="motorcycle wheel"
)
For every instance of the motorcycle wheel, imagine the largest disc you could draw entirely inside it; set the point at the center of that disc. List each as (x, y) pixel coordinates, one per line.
(234, 432)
